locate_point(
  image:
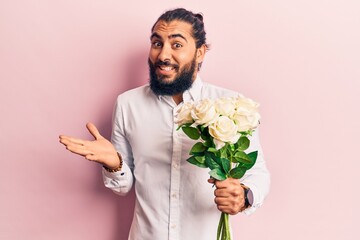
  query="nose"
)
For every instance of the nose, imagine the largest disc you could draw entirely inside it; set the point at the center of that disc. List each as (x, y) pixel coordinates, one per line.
(165, 53)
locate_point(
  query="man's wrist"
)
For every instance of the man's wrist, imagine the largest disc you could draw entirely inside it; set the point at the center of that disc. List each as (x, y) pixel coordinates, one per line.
(117, 168)
(248, 197)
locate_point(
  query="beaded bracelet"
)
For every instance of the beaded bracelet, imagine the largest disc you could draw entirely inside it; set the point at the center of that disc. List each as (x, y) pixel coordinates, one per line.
(116, 169)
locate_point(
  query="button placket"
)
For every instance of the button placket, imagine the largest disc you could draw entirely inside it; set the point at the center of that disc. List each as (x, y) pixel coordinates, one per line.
(174, 218)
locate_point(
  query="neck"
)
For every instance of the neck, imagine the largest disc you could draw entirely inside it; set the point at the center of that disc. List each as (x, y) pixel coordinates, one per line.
(178, 98)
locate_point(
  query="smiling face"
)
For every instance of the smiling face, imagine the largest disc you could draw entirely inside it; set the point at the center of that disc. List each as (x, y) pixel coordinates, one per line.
(173, 57)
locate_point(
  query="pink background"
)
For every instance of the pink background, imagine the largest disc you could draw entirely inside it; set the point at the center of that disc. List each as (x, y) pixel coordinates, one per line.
(62, 64)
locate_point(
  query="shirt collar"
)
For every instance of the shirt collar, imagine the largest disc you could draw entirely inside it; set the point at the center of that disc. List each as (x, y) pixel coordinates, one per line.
(193, 94)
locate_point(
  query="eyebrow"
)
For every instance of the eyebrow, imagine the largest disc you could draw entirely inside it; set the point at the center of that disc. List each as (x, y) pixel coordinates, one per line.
(176, 35)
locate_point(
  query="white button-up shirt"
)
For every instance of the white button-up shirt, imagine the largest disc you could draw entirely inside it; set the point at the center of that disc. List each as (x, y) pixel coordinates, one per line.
(173, 198)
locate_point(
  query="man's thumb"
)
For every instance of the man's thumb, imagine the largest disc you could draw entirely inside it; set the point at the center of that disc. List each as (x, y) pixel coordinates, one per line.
(93, 130)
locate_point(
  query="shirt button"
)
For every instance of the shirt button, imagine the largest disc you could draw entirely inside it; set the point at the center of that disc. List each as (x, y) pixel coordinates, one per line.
(173, 226)
(175, 165)
(173, 195)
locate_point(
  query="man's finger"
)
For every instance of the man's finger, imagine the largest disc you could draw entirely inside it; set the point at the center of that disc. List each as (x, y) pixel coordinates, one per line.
(67, 140)
(93, 130)
(221, 184)
(221, 193)
(92, 157)
(80, 150)
(220, 201)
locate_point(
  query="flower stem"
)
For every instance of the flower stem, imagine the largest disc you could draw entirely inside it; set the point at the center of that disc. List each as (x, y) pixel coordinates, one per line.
(220, 226)
(223, 232)
(227, 227)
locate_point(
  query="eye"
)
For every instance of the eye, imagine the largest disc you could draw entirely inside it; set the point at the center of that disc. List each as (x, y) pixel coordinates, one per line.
(156, 44)
(177, 45)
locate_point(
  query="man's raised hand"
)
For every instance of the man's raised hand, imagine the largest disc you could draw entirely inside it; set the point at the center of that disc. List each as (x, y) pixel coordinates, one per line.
(99, 150)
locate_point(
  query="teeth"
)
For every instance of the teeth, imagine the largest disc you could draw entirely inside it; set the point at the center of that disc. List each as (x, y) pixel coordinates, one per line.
(166, 68)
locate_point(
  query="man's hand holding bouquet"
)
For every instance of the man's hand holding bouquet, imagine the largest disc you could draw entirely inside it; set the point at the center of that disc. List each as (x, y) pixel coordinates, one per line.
(222, 128)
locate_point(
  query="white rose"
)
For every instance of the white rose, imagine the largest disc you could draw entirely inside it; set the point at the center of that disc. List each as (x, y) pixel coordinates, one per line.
(246, 115)
(204, 112)
(246, 122)
(225, 106)
(224, 130)
(183, 114)
(246, 103)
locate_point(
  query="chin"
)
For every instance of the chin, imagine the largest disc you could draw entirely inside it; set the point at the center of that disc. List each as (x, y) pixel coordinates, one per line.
(166, 79)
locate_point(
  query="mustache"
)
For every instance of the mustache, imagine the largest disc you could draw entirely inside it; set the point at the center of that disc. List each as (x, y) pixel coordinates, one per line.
(165, 64)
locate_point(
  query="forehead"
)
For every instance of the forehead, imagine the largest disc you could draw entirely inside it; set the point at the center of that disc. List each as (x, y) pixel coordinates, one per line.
(167, 29)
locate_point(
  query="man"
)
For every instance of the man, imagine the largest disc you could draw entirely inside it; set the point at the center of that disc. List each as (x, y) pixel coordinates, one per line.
(174, 199)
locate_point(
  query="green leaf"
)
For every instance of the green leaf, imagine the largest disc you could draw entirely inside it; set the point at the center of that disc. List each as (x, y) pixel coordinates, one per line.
(217, 162)
(247, 133)
(242, 157)
(252, 156)
(184, 125)
(192, 132)
(198, 148)
(223, 151)
(194, 161)
(205, 134)
(202, 128)
(218, 174)
(211, 149)
(225, 163)
(215, 158)
(210, 162)
(237, 172)
(197, 154)
(243, 143)
(208, 143)
(200, 159)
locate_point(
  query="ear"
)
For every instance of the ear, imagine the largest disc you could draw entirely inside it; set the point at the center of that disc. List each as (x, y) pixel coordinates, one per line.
(200, 53)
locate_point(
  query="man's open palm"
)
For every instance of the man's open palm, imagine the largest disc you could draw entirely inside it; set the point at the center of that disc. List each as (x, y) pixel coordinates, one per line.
(99, 150)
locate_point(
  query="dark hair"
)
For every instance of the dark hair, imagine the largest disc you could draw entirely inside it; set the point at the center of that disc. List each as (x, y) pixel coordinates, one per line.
(194, 19)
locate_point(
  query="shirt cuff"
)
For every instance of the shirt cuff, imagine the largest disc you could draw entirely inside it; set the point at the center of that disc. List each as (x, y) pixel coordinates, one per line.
(120, 182)
(255, 202)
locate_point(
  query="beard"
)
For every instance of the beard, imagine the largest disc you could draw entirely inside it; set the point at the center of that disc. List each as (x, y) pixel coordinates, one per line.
(182, 81)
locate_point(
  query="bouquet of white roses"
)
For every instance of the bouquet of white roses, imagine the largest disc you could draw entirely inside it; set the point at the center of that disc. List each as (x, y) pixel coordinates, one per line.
(222, 127)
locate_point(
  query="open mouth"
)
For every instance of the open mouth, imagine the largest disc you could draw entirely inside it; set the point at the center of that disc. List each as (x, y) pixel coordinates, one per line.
(166, 69)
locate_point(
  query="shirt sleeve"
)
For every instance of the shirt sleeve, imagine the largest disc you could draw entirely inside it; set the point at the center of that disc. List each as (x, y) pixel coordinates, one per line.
(120, 182)
(258, 177)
